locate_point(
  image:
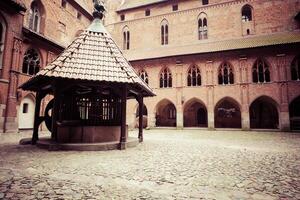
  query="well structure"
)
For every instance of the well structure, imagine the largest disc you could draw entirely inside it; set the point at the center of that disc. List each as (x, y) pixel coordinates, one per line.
(91, 82)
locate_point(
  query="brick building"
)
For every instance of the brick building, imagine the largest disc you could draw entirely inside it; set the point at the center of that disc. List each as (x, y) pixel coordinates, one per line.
(32, 33)
(213, 63)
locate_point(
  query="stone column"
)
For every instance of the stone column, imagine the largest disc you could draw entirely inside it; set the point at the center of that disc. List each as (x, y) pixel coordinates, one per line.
(151, 120)
(244, 93)
(179, 117)
(210, 81)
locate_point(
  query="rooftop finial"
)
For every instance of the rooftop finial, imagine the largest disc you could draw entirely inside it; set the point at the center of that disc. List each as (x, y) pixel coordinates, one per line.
(99, 9)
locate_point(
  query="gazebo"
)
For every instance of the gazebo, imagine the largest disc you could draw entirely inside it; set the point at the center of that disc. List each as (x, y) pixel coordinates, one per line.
(90, 82)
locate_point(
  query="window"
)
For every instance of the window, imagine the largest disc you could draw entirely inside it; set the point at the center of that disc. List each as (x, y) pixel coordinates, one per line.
(126, 38)
(25, 108)
(261, 72)
(79, 15)
(204, 2)
(31, 62)
(295, 69)
(122, 17)
(147, 12)
(225, 75)
(165, 80)
(144, 76)
(164, 32)
(246, 13)
(194, 76)
(175, 7)
(2, 39)
(172, 113)
(202, 26)
(64, 3)
(34, 17)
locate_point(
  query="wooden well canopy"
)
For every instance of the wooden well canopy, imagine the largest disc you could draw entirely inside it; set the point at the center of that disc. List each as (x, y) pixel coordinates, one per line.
(90, 81)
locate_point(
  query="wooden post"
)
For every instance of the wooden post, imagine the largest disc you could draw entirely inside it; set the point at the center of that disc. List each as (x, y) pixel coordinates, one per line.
(35, 134)
(123, 118)
(55, 111)
(141, 107)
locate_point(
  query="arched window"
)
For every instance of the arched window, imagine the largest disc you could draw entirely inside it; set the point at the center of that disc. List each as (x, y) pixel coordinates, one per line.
(165, 80)
(261, 72)
(164, 27)
(295, 68)
(143, 74)
(246, 13)
(202, 26)
(225, 75)
(34, 17)
(31, 62)
(2, 39)
(194, 76)
(126, 38)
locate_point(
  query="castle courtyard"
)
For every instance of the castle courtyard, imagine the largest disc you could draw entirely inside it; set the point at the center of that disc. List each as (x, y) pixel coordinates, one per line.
(169, 164)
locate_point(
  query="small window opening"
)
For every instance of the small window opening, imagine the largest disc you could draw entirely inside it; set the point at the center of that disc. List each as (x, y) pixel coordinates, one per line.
(175, 7)
(25, 108)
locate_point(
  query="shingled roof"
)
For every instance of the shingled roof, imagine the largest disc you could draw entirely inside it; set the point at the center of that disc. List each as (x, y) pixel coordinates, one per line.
(92, 56)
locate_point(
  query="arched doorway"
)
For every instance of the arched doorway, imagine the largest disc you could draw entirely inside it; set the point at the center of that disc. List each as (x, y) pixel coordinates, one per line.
(195, 114)
(264, 114)
(294, 109)
(145, 117)
(26, 113)
(165, 114)
(227, 114)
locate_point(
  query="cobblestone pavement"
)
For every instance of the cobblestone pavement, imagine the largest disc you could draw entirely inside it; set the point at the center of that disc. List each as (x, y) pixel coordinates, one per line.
(170, 164)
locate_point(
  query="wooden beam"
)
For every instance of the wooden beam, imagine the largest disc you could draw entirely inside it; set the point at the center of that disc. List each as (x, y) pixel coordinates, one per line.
(141, 107)
(123, 138)
(37, 118)
(55, 112)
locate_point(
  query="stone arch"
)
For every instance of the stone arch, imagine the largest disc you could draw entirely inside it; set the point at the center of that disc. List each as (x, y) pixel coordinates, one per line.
(261, 71)
(227, 113)
(26, 112)
(165, 78)
(37, 9)
(145, 116)
(202, 26)
(247, 13)
(264, 113)
(193, 75)
(164, 29)
(226, 73)
(194, 113)
(294, 112)
(30, 56)
(165, 113)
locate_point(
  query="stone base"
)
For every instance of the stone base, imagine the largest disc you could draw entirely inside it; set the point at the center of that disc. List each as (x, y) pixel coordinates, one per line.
(47, 143)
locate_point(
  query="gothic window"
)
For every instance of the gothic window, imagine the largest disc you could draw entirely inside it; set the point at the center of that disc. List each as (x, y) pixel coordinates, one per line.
(31, 62)
(126, 38)
(2, 39)
(143, 74)
(246, 13)
(164, 32)
(165, 80)
(194, 77)
(34, 17)
(202, 26)
(225, 75)
(261, 72)
(295, 68)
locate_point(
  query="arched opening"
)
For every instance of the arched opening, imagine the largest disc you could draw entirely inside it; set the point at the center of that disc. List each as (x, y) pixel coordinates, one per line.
(264, 114)
(126, 38)
(295, 69)
(2, 39)
(26, 112)
(246, 13)
(143, 74)
(195, 114)
(194, 76)
(165, 114)
(36, 16)
(226, 75)
(164, 28)
(165, 80)
(202, 26)
(145, 117)
(294, 110)
(227, 114)
(261, 71)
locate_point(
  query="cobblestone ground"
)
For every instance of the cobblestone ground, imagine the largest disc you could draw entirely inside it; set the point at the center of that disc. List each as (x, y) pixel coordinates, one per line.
(188, 164)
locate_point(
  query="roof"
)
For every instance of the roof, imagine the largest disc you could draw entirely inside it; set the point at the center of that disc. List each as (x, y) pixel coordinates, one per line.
(18, 4)
(92, 56)
(216, 46)
(130, 4)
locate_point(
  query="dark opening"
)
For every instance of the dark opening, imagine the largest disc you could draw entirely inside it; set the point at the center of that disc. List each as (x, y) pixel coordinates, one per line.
(204, 2)
(122, 17)
(25, 108)
(294, 109)
(147, 12)
(175, 7)
(227, 115)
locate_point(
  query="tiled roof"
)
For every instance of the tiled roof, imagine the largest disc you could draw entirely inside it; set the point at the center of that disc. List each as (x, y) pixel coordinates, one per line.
(92, 56)
(217, 46)
(129, 4)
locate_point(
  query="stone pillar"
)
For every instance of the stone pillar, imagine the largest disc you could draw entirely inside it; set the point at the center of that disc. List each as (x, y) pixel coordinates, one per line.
(210, 108)
(244, 93)
(151, 120)
(284, 121)
(179, 117)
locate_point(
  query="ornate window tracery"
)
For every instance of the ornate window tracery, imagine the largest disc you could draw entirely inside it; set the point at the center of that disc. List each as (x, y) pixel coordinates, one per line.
(31, 62)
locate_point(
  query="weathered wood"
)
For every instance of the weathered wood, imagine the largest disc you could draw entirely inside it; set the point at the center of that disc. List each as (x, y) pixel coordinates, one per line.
(55, 112)
(37, 118)
(141, 107)
(123, 118)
